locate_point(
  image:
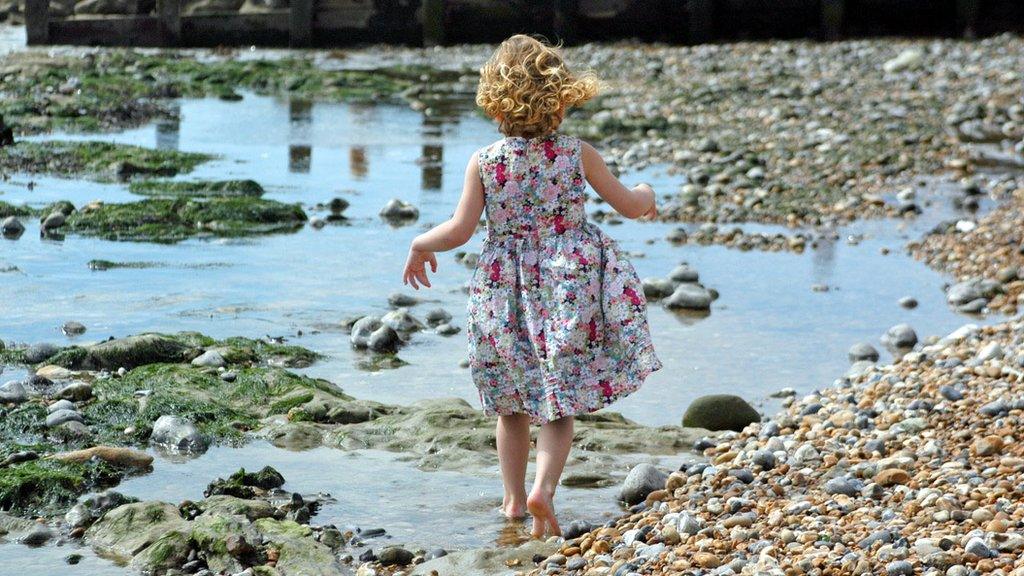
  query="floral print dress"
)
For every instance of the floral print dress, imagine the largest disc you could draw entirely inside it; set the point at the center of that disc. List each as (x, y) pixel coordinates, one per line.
(557, 316)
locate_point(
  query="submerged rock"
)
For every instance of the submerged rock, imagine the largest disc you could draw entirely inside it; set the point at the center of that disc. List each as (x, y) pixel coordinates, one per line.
(720, 412)
(399, 211)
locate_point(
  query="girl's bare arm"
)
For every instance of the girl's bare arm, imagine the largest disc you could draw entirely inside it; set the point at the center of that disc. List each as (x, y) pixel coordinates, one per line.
(632, 203)
(450, 234)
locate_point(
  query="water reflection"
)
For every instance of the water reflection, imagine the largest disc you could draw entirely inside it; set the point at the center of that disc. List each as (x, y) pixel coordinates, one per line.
(824, 258)
(300, 157)
(168, 131)
(358, 165)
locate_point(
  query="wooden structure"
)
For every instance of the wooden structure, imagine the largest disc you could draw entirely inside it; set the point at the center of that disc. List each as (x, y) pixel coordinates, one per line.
(432, 22)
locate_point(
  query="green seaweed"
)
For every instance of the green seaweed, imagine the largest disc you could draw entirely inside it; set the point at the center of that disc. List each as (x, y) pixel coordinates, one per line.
(200, 189)
(49, 486)
(166, 220)
(116, 88)
(104, 161)
(8, 209)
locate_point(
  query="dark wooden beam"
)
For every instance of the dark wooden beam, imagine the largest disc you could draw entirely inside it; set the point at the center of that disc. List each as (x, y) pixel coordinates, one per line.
(37, 21)
(833, 12)
(300, 24)
(433, 23)
(169, 12)
(701, 21)
(565, 20)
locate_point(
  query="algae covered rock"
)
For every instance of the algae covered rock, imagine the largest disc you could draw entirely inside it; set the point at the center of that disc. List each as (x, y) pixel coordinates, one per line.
(201, 188)
(246, 485)
(128, 530)
(720, 412)
(173, 220)
(97, 160)
(298, 552)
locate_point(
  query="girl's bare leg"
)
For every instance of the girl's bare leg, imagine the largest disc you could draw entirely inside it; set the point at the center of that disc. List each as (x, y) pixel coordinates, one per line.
(553, 443)
(513, 434)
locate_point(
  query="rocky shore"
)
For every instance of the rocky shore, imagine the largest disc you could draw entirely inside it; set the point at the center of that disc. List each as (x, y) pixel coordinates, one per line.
(83, 419)
(908, 468)
(986, 257)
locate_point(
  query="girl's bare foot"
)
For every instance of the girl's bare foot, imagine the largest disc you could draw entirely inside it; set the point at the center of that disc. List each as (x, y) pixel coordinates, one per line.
(542, 508)
(513, 509)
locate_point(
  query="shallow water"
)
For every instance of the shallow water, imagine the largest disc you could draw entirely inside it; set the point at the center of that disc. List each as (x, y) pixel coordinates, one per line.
(768, 330)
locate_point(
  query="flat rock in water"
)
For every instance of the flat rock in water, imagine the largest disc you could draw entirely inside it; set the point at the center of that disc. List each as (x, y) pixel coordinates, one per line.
(720, 412)
(486, 561)
(689, 297)
(115, 455)
(657, 288)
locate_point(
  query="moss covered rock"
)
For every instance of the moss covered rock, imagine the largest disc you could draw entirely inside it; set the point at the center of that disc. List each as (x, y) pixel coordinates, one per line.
(720, 412)
(104, 161)
(298, 552)
(127, 531)
(201, 189)
(172, 220)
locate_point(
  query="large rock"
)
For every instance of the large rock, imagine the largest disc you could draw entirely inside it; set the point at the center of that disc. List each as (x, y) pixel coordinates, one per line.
(299, 553)
(134, 351)
(127, 530)
(178, 434)
(689, 297)
(641, 481)
(720, 412)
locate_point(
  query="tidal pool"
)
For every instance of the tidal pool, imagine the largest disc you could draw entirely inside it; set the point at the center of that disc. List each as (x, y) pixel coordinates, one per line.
(768, 330)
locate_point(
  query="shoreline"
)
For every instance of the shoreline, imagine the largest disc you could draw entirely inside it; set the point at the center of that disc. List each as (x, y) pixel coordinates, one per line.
(908, 468)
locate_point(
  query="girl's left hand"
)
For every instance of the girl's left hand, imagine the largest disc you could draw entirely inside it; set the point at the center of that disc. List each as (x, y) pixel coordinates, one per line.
(415, 268)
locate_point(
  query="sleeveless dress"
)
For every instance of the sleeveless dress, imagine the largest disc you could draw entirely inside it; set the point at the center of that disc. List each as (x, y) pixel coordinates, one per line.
(557, 316)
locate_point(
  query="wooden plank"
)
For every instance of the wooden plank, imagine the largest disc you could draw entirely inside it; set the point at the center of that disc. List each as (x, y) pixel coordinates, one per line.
(833, 12)
(433, 22)
(265, 29)
(37, 21)
(300, 23)
(170, 21)
(121, 31)
(967, 12)
(701, 21)
(564, 25)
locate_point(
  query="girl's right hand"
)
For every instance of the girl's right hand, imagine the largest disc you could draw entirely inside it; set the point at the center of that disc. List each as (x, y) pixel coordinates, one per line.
(416, 269)
(645, 189)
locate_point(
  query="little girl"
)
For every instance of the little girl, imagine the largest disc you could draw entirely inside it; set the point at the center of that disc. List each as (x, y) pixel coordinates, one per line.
(557, 316)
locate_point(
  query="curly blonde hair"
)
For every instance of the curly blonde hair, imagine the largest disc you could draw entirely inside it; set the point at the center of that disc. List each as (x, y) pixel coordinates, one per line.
(526, 86)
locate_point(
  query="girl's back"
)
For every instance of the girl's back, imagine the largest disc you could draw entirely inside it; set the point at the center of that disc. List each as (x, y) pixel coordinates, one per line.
(533, 186)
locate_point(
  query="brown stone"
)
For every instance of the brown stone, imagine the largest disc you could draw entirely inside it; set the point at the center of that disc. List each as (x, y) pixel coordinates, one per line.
(892, 476)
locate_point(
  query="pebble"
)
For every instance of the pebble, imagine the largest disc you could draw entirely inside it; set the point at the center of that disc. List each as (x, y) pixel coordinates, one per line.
(908, 302)
(977, 547)
(899, 568)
